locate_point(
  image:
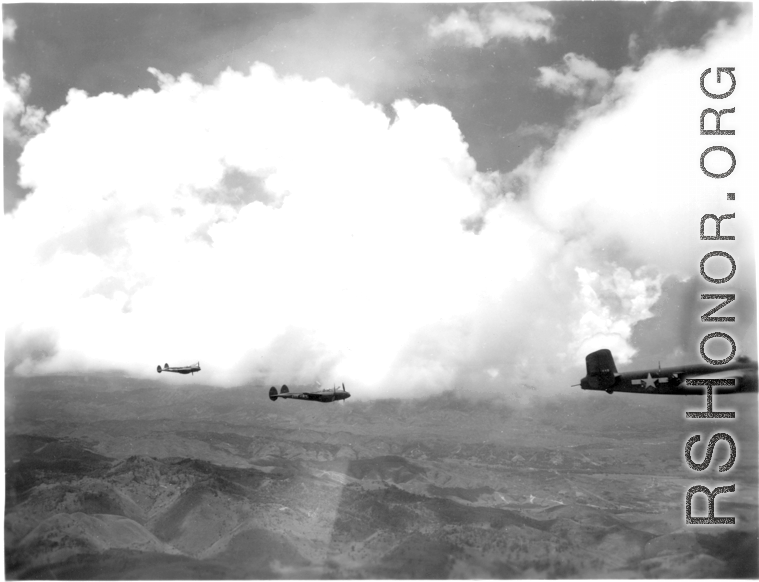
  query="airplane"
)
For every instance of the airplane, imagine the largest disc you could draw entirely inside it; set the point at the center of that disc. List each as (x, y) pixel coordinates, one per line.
(602, 375)
(319, 396)
(180, 369)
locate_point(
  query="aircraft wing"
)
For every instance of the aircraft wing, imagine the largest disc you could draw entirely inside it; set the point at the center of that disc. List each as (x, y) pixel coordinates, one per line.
(301, 395)
(285, 393)
(717, 374)
(745, 378)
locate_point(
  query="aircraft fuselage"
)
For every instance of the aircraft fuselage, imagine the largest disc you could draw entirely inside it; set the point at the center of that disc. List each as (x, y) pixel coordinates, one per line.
(324, 397)
(179, 369)
(333, 395)
(602, 375)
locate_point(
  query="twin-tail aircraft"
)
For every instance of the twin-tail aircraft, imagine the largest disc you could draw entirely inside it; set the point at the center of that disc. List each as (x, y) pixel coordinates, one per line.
(180, 369)
(327, 395)
(602, 375)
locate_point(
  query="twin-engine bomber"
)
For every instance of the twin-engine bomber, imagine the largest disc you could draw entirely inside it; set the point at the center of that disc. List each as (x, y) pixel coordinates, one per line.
(333, 395)
(180, 369)
(603, 375)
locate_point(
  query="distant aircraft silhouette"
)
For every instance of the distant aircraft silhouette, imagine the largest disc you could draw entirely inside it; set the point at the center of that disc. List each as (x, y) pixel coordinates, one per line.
(327, 395)
(180, 369)
(602, 375)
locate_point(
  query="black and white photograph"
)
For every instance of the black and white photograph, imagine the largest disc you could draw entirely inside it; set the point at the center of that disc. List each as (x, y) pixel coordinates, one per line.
(380, 290)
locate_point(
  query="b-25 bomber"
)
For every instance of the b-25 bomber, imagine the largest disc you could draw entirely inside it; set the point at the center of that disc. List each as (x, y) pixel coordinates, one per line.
(602, 375)
(327, 395)
(180, 369)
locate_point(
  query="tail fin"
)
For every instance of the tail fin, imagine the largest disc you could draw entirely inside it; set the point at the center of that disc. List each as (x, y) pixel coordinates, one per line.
(602, 373)
(272, 393)
(159, 368)
(165, 366)
(284, 389)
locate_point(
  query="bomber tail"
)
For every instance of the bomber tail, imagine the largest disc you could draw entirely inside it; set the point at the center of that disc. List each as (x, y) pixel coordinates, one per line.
(159, 368)
(272, 393)
(601, 370)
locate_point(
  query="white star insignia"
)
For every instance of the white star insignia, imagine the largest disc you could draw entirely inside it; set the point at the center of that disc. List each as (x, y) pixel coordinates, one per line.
(649, 381)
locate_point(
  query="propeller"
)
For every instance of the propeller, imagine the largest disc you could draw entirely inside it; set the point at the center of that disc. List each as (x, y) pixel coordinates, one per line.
(334, 394)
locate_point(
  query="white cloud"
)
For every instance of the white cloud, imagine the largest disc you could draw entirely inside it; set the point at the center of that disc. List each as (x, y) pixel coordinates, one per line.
(629, 172)
(20, 121)
(577, 76)
(127, 255)
(517, 21)
(459, 25)
(280, 230)
(626, 178)
(9, 29)
(342, 253)
(613, 302)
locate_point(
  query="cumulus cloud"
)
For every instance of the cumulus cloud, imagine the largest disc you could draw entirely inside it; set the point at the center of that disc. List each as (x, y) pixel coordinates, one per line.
(577, 76)
(613, 303)
(638, 151)
(626, 178)
(9, 29)
(516, 21)
(132, 250)
(276, 229)
(20, 121)
(281, 230)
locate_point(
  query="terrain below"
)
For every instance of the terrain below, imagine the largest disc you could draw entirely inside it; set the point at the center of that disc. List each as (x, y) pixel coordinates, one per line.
(113, 477)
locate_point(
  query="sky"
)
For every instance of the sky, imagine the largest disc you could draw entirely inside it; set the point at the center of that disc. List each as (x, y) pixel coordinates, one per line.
(405, 198)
